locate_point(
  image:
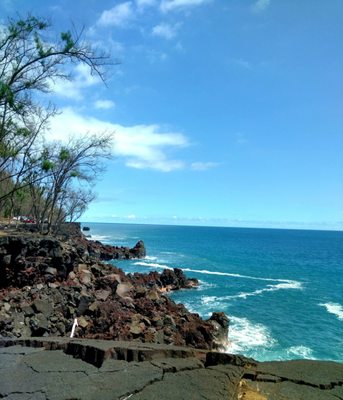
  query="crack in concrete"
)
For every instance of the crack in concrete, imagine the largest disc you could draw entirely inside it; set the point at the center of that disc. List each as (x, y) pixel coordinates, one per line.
(14, 393)
(156, 380)
(256, 378)
(150, 383)
(55, 371)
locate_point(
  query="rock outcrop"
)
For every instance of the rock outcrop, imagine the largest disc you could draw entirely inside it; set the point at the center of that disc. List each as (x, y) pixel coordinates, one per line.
(46, 283)
(29, 259)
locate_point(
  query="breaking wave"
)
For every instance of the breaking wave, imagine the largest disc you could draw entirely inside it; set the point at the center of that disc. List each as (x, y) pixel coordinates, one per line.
(245, 336)
(334, 308)
(300, 352)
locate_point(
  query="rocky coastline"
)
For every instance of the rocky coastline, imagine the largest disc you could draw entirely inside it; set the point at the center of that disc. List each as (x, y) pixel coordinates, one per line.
(132, 341)
(47, 282)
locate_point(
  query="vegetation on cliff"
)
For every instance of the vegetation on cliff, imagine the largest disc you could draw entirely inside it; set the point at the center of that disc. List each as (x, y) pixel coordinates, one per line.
(38, 178)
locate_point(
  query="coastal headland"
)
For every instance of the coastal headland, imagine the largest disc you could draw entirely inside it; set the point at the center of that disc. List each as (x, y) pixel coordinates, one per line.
(131, 340)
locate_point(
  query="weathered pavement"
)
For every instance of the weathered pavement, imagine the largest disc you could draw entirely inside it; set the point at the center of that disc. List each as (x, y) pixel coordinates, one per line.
(56, 369)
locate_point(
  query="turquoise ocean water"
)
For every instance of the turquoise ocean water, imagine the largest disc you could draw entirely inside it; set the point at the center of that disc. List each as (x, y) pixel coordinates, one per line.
(282, 289)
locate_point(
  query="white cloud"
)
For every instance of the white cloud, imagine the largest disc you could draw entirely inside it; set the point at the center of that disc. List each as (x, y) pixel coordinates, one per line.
(81, 79)
(260, 5)
(203, 166)
(119, 15)
(104, 104)
(241, 63)
(140, 146)
(145, 3)
(170, 5)
(165, 31)
(155, 56)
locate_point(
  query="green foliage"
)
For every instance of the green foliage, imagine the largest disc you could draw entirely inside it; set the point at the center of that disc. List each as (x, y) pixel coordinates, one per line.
(23, 132)
(64, 154)
(39, 45)
(24, 27)
(47, 165)
(28, 65)
(68, 40)
(7, 151)
(6, 94)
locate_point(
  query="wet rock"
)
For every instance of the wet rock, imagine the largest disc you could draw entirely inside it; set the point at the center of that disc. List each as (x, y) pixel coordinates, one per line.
(138, 251)
(220, 322)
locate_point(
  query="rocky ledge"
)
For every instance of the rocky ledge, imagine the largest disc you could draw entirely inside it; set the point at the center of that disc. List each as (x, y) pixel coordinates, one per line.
(46, 283)
(60, 369)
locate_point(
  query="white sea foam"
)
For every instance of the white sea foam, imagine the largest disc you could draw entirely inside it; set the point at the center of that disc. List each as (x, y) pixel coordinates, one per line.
(302, 352)
(152, 265)
(245, 336)
(211, 302)
(150, 258)
(256, 278)
(284, 283)
(100, 238)
(334, 308)
(203, 285)
(270, 288)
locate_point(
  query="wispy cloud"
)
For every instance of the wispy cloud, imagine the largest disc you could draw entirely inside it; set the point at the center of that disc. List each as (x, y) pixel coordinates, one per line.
(203, 166)
(118, 15)
(260, 5)
(141, 4)
(80, 80)
(104, 104)
(165, 31)
(154, 56)
(240, 62)
(139, 146)
(171, 5)
(241, 139)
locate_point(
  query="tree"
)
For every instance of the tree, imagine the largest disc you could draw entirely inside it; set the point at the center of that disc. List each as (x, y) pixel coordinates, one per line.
(56, 184)
(29, 64)
(75, 203)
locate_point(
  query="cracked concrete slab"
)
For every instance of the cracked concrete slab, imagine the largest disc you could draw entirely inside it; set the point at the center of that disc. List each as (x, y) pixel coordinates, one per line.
(177, 365)
(297, 379)
(196, 384)
(44, 369)
(289, 391)
(324, 374)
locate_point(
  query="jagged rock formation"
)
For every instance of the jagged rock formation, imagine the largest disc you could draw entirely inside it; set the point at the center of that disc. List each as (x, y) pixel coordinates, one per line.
(46, 283)
(29, 259)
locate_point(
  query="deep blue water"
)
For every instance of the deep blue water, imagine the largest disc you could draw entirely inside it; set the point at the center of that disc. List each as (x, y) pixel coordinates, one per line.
(282, 289)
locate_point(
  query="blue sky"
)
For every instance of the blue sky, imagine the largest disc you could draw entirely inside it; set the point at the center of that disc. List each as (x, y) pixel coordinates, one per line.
(224, 112)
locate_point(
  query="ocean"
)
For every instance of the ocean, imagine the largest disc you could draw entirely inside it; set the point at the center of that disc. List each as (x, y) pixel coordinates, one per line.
(281, 289)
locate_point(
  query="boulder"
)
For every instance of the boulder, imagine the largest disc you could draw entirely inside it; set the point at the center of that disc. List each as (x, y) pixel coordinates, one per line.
(220, 323)
(42, 306)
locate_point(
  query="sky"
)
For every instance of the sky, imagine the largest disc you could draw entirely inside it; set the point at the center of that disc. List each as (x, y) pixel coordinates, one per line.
(223, 112)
